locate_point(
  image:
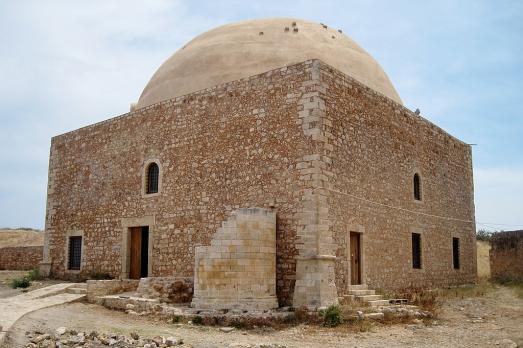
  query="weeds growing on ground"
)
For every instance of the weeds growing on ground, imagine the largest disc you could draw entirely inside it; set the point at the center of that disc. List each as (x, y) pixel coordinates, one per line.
(25, 281)
(22, 282)
(34, 274)
(176, 319)
(515, 284)
(332, 316)
(481, 289)
(197, 320)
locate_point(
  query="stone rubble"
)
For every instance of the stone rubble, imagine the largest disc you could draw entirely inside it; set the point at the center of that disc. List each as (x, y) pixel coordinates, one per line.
(64, 338)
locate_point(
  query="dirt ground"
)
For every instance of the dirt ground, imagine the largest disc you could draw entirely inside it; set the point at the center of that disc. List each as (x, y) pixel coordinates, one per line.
(7, 276)
(469, 322)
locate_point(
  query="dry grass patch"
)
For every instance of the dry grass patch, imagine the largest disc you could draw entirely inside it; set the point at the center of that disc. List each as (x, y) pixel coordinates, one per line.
(20, 237)
(479, 290)
(515, 284)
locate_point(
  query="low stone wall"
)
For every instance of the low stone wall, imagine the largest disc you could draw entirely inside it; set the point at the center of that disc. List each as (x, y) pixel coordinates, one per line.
(97, 288)
(506, 255)
(166, 289)
(238, 269)
(20, 258)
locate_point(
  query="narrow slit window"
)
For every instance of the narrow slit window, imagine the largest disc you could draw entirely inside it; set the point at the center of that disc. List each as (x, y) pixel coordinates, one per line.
(153, 173)
(455, 253)
(416, 250)
(417, 187)
(75, 253)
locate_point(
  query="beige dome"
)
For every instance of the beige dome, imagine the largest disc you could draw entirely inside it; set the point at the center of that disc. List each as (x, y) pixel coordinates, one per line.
(239, 50)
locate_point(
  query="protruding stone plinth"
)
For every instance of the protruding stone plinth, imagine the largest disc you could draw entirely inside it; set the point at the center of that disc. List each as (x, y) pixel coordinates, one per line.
(45, 269)
(315, 286)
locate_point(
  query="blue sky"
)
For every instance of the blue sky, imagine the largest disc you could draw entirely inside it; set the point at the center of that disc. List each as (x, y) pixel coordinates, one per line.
(67, 64)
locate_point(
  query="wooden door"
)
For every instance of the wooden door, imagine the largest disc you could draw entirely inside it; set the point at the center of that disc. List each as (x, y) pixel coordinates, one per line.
(355, 259)
(136, 253)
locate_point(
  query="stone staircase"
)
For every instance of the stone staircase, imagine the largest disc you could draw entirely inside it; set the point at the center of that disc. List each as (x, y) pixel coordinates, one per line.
(363, 294)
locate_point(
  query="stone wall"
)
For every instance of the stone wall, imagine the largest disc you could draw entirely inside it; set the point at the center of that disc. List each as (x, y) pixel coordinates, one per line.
(20, 258)
(166, 289)
(506, 255)
(373, 147)
(327, 153)
(238, 269)
(220, 149)
(98, 288)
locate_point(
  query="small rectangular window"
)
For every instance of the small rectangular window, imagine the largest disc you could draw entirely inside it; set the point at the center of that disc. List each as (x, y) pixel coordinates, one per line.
(75, 252)
(416, 250)
(455, 252)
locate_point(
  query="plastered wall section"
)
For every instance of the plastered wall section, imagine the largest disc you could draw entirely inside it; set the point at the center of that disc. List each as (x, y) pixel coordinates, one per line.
(227, 147)
(374, 148)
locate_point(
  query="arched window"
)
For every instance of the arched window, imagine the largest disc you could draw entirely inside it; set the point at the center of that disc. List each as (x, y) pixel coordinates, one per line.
(417, 187)
(153, 173)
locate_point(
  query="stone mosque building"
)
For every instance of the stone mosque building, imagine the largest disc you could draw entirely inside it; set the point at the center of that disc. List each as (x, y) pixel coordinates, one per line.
(272, 162)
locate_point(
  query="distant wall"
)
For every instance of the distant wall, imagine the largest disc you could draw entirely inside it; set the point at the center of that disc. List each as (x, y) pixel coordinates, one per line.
(506, 255)
(483, 248)
(20, 258)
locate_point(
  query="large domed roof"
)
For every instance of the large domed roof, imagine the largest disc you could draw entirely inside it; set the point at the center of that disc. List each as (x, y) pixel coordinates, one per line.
(247, 48)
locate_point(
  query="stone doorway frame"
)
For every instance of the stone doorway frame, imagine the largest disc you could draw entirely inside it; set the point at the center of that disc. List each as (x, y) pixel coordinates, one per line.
(125, 255)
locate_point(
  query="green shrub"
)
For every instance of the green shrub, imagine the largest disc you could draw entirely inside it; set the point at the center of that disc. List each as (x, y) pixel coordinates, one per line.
(332, 316)
(197, 320)
(483, 235)
(23, 283)
(34, 274)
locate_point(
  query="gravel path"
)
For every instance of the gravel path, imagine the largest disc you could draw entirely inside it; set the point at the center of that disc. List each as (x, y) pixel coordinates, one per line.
(470, 322)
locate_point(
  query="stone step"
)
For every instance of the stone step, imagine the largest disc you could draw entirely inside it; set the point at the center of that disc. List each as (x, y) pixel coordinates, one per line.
(362, 292)
(378, 303)
(76, 290)
(357, 287)
(349, 297)
(367, 298)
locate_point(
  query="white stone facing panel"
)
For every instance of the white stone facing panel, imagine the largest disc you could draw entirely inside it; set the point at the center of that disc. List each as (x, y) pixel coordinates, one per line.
(238, 269)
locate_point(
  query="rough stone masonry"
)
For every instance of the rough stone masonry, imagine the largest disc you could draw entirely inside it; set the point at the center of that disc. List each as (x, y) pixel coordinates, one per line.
(324, 152)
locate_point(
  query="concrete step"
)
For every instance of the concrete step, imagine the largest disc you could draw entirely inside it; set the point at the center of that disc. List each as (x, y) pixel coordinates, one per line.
(362, 292)
(357, 287)
(378, 303)
(76, 290)
(367, 298)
